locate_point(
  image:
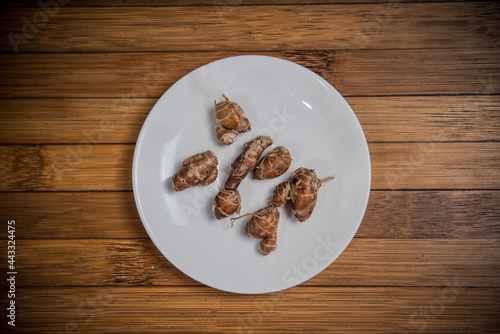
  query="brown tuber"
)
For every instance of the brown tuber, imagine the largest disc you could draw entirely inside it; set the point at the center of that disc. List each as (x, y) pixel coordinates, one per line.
(304, 187)
(269, 244)
(281, 194)
(274, 164)
(229, 121)
(200, 169)
(247, 160)
(228, 200)
(302, 192)
(263, 225)
(226, 203)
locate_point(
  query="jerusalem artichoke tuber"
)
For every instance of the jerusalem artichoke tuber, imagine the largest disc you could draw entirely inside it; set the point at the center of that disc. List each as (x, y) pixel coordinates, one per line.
(304, 187)
(199, 169)
(240, 167)
(274, 164)
(226, 203)
(281, 194)
(269, 244)
(229, 121)
(247, 160)
(262, 225)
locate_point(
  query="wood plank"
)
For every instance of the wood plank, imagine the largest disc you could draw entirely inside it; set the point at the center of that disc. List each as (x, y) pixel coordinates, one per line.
(384, 119)
(415, 72)
(217, 3)
(66, 167)
(432, 214)
(435, 165)
(108, 167)
(92, 215)
(366, 262)
(390, 215)
(297, 310)
(358, 73)
(428, 118)
(214, 28)
(69, 121)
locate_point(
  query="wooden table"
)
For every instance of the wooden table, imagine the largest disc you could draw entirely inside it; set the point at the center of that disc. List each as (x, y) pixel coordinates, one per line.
(78, 79)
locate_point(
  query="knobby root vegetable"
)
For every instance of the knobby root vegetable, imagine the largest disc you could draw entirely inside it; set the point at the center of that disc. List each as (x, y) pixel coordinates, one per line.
(226, 203)
(269, 244)
(229, 121)
(274, 164)
(263, 225)
(304, 187)
(200, 169)
(247, 160)
(240, 167)
(281, 194)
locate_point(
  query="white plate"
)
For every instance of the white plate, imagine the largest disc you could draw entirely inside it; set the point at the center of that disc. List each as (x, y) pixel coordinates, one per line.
(300, 111)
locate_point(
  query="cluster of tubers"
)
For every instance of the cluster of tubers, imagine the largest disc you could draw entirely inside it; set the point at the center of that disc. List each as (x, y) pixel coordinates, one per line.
(301, 190)
(227, 201)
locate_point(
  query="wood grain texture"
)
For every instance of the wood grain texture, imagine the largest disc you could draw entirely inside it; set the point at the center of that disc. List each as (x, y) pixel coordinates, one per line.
(74, 215)
(390, 215)
(435, 165)
(109, 167)
(384, 119)
(428, 118)
(366, 262)
(431, 214)
(62, 121)
(352, 73)
(216, 3)
(200, 309)
(422, 77)
(255, 28)
(66, 167)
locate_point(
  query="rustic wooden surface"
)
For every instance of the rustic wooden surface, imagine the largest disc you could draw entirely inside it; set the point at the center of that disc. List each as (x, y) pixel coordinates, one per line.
(422, 77)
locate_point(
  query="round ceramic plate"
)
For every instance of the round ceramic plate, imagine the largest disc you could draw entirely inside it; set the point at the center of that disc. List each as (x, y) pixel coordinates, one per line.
(300, 111)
